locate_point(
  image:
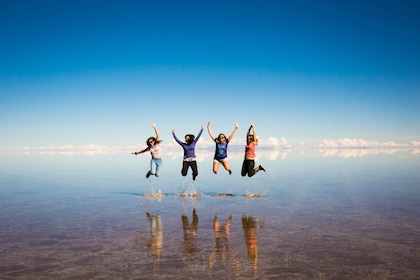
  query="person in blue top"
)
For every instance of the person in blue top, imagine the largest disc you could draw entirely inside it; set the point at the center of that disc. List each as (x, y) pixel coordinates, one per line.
(189, 152)
(220, 154)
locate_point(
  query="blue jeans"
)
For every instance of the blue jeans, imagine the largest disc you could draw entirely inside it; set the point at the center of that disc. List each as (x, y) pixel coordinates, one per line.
(156, 163)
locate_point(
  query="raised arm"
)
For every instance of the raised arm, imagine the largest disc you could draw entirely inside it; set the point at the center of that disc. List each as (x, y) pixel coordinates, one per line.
(199, 134)
(176, 138)
(254, 132)
(211, 134)
(233, 132)
(156, 132)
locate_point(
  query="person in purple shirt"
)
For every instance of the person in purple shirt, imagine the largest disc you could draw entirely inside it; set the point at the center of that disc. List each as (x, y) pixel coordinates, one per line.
(189, 152)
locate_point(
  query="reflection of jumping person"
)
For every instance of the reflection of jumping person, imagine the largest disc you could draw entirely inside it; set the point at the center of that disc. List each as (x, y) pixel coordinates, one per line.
(222, 252)
(189, 233)
(189, 152)
(220, 155)
(249, 226)
(156, 234)
(249, 160)
(154, 148)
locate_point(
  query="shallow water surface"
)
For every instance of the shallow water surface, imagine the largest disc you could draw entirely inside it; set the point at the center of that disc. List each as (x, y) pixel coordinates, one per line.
(316, 217)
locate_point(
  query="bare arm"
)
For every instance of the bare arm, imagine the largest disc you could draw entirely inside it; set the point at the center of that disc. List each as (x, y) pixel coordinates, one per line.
(211, 134)
(140, 152)
(254, 132)
(233, 132)
(157, 133)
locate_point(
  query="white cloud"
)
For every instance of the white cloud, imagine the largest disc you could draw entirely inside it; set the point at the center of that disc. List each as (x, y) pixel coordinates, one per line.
(348, 148)
(415, 143)
(356, 153)
(270, 148)
(357, 143)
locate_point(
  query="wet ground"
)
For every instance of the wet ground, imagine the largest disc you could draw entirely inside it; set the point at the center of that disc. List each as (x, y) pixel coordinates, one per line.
(312, 218)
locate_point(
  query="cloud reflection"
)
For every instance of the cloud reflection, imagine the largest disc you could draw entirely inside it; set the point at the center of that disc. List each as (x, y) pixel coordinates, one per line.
(271, 148)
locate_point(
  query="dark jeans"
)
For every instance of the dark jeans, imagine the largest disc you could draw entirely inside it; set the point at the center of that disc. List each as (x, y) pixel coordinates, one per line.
(193, 165)
(248, 167)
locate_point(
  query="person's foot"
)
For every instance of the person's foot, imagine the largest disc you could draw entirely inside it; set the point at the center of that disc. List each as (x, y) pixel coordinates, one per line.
(148, 174)
(261, 168)
(230, 172)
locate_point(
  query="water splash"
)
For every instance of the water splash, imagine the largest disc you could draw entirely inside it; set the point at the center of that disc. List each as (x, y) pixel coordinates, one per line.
(190, 191)
(154, 194)
(255, 195)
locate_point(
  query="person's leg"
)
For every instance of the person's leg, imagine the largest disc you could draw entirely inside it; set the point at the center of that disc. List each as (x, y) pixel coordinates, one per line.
(250, 166)
(158, 163)
(194, 169)
(184, 168)
(151, 168)
(244, 169)
(226, 165)
(216, 165)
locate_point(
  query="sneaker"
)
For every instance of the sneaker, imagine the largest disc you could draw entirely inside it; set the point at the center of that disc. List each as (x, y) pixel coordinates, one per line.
(230, 172)
(261, 168)
(148, 174)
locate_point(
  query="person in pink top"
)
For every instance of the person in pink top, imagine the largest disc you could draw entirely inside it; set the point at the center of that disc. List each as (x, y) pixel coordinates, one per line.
(154, 149)
(248, 166)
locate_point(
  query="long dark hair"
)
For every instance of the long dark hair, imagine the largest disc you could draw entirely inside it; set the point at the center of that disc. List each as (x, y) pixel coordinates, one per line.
(191, 138)
(220, 137)
(154, 140)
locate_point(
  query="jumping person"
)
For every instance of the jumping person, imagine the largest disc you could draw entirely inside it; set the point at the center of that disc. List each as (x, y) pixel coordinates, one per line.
(249, 160)
(154, 148)
(189, 152)
(220, 155)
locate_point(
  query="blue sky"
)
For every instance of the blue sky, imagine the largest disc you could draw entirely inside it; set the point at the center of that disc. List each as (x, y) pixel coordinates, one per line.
(306, 72)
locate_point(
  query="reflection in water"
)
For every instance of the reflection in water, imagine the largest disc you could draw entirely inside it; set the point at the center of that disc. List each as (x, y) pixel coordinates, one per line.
(156, 233)
(190, 231)
(222, 252)
(249, 226)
